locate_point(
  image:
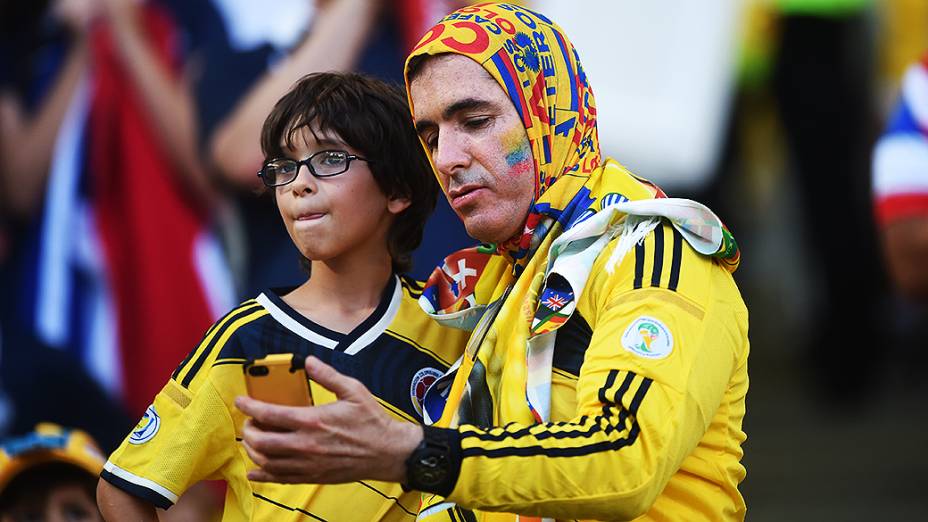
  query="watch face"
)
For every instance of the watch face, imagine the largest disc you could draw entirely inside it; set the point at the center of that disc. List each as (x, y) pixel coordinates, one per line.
(432, 469)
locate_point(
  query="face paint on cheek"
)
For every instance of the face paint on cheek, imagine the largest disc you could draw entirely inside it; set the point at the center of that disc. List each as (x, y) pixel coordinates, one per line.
(518, 152)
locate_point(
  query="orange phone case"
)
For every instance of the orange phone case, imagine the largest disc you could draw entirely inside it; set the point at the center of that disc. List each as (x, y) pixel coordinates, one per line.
(279, 378)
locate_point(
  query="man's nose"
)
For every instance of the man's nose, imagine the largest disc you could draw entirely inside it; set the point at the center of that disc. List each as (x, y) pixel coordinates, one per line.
(451, 154)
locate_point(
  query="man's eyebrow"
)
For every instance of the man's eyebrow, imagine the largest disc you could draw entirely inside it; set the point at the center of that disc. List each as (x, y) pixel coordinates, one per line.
(467, 104)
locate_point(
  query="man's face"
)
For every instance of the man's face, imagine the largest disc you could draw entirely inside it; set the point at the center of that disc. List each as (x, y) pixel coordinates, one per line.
(478, 145)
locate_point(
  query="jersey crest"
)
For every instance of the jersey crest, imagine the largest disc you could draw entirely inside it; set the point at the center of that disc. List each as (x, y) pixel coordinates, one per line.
(147, 428)
(420, 384)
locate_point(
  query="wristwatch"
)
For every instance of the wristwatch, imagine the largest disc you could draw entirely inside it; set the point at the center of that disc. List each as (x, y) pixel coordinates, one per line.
(434, 465)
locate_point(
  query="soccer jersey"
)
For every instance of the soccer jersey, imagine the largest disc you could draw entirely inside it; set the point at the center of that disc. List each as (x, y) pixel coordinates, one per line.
(193, 431)
(649, 379)
(900, 159)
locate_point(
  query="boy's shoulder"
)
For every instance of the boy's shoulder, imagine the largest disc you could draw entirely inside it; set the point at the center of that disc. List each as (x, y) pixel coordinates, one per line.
(412, 323)
(225, 343)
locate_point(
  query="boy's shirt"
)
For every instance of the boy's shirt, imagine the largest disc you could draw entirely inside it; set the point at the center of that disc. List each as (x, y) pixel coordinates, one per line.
(193, 431)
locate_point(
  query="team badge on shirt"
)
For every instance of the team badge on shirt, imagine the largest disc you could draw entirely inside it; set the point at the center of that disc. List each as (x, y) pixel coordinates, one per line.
(146, 429)
(419, 384)
(648, 337)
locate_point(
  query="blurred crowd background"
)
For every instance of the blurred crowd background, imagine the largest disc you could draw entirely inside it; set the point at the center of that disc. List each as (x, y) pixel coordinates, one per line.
(131, 216)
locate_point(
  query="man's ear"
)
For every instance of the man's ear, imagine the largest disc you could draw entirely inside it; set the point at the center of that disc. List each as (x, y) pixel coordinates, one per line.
(395, 205)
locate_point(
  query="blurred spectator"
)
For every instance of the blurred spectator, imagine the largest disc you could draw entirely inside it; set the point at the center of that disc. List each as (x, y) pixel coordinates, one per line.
(900, 186)
(242, 57)
(44, 57)
(122, 230)
(49, 475)
(824, 88)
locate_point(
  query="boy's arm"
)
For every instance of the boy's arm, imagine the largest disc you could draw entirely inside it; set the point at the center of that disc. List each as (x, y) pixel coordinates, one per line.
(188, 434)
(115, 504)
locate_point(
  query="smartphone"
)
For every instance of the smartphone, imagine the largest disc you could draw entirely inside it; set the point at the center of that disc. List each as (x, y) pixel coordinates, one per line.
(279, 378)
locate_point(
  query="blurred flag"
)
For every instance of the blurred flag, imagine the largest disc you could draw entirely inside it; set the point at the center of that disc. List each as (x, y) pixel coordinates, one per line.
(129, 275)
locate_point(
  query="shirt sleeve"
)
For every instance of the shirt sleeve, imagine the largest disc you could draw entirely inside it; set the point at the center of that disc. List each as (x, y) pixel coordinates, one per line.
(655, 372)
(186, 435)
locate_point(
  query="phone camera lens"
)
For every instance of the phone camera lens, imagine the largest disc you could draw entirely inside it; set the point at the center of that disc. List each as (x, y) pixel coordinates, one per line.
(258, 371)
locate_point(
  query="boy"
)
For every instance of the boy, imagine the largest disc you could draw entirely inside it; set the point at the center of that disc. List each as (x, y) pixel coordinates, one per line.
(49, 474)
(353, 189)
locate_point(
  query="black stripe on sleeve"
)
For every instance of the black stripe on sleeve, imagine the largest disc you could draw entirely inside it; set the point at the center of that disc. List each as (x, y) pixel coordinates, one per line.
(610, 380)
(191, 354)
(500, 434)
(639, 264)
(675, 260)
(578, 451)
(191, 373)
(209, 331)
(152, 497)
(466, 514)
(617, 400)
(658, 255)
(639, 396)
(284, 506)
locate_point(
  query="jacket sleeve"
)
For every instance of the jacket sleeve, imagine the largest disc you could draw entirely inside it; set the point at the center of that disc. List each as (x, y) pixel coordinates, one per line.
(642, 407)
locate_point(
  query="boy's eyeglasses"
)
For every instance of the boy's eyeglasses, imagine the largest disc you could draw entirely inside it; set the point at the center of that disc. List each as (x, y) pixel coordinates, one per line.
(323, 164)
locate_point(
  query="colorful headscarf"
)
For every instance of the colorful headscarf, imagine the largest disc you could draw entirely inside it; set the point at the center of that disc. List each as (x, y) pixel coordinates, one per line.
(539, 69)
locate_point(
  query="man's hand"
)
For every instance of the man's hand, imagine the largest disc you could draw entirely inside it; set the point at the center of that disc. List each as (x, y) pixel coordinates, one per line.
(350, 439)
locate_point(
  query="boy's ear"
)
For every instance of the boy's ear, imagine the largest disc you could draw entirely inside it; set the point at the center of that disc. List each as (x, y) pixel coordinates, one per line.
(398, 204)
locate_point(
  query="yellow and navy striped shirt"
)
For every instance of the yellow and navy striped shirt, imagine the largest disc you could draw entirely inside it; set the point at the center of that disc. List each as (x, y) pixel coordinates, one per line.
(648, 391)
(192, 431)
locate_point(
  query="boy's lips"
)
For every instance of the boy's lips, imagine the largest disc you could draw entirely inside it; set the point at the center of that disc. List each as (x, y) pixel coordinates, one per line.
(309, 216)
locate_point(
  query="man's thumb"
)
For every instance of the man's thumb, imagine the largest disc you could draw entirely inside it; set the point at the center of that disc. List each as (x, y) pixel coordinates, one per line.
(342, 386)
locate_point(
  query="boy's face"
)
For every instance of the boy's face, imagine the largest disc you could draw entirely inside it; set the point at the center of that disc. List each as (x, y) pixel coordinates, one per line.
(478, 145)
(336, 217)
(63, 503)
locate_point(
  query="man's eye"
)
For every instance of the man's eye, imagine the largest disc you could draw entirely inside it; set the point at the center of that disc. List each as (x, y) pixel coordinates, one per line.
(431, 141)
(476, 123)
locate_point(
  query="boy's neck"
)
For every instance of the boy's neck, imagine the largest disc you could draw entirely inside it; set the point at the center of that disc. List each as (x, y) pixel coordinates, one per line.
(340, 294)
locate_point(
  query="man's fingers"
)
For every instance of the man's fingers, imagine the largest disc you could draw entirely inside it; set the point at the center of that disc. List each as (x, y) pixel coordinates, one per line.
(270, 416)
(259, 475)
(273, 443)
(256, 456)
(344, 387)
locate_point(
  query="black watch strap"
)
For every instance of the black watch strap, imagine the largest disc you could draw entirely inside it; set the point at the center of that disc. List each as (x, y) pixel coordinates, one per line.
(434, 466)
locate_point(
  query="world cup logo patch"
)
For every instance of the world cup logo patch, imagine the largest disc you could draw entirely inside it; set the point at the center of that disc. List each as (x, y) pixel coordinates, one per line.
(648, 337)
(420, 384)
(146, 429)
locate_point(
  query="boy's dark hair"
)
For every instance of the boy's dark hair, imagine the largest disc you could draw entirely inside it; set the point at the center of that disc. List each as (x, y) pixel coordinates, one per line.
(372, 117)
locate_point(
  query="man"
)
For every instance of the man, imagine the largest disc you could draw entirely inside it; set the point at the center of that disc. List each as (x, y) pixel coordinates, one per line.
(595, 384)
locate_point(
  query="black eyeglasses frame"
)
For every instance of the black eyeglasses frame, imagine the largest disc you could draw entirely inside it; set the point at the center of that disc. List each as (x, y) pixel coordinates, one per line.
(300, 163)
